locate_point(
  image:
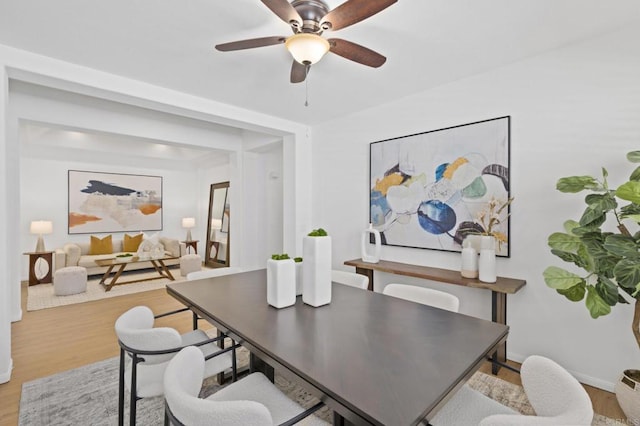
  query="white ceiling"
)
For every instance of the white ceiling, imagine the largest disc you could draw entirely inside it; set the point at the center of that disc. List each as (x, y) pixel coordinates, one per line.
(43, 141)
(427, 42)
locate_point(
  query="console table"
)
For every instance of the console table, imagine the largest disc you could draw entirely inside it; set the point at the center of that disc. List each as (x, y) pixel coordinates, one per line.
(499, 289)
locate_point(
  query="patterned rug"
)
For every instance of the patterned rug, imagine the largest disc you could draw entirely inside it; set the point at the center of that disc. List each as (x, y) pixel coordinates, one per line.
(89, 395)
(41, 296)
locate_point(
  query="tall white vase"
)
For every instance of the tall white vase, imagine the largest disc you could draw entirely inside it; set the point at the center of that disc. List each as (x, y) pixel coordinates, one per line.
(281, 283)
(299, 277)
(370, 255)
(487, 262)
(316, 274)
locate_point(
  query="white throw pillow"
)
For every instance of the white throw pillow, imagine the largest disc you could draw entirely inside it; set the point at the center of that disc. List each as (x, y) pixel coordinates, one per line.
(148, 245)
(154, 238)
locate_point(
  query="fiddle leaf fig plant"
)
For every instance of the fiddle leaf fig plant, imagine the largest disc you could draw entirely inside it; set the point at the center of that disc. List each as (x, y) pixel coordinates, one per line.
(610, 260)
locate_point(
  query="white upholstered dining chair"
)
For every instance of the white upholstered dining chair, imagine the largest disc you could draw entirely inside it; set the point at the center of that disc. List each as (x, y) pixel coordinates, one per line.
(350, 278)
(253, 400)
(555, 395)
(145, 352)
(426, 296)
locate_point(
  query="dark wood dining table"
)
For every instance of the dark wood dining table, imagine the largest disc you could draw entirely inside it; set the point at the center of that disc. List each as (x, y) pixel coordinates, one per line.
(373, 359)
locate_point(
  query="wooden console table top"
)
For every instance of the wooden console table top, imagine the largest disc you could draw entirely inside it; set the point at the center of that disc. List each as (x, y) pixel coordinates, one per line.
(502, 284)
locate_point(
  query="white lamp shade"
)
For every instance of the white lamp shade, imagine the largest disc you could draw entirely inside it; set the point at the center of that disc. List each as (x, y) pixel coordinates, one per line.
(188, 222)
(41, 227)
(307, 48)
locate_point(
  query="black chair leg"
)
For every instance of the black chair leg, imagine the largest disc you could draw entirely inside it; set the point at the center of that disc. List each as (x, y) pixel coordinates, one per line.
(234, 369)
(121, 390)
(133, 393)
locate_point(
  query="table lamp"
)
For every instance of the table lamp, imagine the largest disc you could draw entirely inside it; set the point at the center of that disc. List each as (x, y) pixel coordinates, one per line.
(41, 227)
(188, 222)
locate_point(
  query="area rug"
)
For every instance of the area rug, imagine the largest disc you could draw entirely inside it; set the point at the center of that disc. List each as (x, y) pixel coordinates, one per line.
(89, 395)
(41, 296)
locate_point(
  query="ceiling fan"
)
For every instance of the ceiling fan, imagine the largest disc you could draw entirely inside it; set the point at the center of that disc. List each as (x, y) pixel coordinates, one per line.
(308, 20)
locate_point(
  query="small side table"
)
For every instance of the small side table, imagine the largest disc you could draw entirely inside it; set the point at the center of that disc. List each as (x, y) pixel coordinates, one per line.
(192, 243)
(37, 273)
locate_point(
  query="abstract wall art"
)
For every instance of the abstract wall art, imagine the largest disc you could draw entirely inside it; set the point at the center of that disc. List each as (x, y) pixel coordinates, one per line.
(430, 190)
(112, 202)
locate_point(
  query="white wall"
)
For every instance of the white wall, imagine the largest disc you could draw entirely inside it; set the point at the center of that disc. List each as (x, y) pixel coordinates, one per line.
(573, 110)
(263, 233)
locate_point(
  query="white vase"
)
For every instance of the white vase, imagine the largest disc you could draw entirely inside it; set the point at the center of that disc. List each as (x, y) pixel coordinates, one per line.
(299, 277)
(371, 255)
(627, 390)
(469, 262)
(487, 261)
(281, 283)
(316, 274)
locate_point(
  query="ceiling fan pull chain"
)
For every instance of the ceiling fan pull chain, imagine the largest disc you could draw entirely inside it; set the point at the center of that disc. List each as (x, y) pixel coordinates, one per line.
(306, 85)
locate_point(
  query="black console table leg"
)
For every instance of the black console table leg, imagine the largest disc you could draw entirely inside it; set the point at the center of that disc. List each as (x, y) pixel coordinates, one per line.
(499, 315)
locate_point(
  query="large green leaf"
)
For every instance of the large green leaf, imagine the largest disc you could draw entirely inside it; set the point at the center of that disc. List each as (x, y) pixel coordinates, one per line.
(594, 241)
(592, 217)
(575, 293)
(622, 246)
(629, 191)
(570, 225)
(560, 279)
(596, 304)
(601, 202)
(635, 176)
(576, 184)
(607, 290)
(634, 156)
(584, 230)
(564, 242)
(630, 210)
(587, 262)
(569, 257)
(627, 273)
(605, 265)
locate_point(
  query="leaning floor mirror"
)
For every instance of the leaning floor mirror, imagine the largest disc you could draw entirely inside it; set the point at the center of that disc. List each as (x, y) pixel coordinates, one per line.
(217, 249)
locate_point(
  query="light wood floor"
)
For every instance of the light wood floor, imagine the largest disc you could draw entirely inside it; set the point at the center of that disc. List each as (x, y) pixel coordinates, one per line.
(53, 340)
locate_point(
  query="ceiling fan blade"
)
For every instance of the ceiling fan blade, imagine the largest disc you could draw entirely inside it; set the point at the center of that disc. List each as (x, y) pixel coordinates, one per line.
(284, 10)
(355, 52)
(354, 11)
(298, 72)
(250, 43)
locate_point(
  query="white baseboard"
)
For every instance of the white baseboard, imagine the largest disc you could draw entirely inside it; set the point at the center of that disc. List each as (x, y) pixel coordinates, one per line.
(18, 316)
(5, 376)
(582, 378)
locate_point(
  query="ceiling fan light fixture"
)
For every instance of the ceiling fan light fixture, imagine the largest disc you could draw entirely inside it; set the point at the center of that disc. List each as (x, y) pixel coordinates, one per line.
(307, 48)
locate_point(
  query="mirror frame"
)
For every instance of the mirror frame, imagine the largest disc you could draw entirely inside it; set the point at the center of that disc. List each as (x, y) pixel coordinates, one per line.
(207, 260)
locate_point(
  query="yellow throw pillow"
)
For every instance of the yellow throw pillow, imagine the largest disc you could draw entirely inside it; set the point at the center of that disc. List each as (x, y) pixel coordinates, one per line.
(101, 246)
(131, 244)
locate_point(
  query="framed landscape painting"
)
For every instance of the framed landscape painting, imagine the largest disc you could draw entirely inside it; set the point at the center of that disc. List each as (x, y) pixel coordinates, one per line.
(430, 190)
(112, 202)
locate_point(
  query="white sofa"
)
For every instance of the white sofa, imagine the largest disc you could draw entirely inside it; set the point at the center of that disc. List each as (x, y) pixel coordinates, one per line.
(77, 254)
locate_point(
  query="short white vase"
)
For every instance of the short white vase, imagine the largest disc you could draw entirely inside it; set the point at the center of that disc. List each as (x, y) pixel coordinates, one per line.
(469, 262)
(316, 274)
(370, 255)
(281, 283)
